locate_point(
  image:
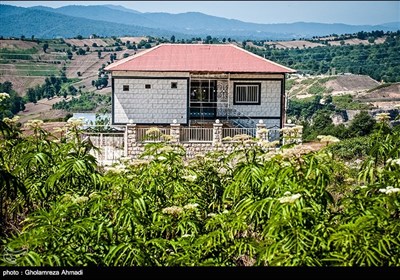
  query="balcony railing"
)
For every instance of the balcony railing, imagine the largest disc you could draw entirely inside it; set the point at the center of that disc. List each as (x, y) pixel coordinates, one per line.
(196, 134)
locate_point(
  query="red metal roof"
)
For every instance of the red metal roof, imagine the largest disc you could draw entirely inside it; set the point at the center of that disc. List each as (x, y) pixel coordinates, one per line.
(198, 58)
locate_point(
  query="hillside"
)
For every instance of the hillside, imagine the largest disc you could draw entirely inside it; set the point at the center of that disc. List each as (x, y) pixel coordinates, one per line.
(44, 24)
(350, 84)
(384, 96)
(361, 87)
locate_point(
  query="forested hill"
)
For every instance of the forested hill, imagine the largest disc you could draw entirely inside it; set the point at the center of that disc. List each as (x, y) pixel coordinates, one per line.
(44, 24)
(116, 21)
(379, 61)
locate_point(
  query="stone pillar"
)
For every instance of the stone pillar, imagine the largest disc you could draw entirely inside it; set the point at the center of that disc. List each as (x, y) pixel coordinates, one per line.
(131, 138)
(261, 131)
(292, 133)
(217, 133)
(175, 132)
(298, 131)
(126, 142)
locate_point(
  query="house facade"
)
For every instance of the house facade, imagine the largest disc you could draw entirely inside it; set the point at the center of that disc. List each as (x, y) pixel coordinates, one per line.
(189, 83)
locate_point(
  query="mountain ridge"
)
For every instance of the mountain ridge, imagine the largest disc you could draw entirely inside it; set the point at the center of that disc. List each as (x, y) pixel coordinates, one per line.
(182, 25)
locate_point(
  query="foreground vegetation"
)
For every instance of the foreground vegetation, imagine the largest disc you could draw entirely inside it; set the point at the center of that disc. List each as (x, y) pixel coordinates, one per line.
(255, 206)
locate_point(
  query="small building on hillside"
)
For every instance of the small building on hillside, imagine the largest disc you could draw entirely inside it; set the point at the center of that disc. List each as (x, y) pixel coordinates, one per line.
(187, 83)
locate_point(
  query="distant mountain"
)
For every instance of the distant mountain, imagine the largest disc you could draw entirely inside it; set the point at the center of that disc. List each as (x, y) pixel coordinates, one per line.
(395, 25)
(121, 8)
(117, 20)
(44, 24)
(103, 13)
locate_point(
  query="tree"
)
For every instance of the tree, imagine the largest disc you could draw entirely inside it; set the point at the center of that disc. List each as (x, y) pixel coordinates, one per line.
(362, 124)
(72, 90)
(69, 54)
(31, 95)
(97, 84)
(81, 51)
(45, 47)
(173, 38)
(99, 54)
(104, 82)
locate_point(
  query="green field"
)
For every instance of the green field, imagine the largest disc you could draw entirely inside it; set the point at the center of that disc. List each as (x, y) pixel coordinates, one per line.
(37, 69)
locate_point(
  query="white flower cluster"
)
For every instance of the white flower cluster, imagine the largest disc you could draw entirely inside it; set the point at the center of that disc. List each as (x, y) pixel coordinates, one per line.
(153, 131)
(3, 96)
(327, 138)
(190, 178)
(75, 122)
(167, 137)
(241, 137)
(117, 169)
(34, 124)
(173, 210)
(382, 117)
(137, 162)
(393, 161)
(94, 195)
(190, 206)
(389, 190)
(12, 121)
(165, 149)
(263, 130)
(80, 199)
(288, 198)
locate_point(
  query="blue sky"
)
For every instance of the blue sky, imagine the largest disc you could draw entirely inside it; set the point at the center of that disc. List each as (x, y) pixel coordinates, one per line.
(348, 12)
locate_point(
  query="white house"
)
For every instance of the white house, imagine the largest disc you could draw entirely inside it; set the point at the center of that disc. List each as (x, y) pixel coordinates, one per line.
(192, 82)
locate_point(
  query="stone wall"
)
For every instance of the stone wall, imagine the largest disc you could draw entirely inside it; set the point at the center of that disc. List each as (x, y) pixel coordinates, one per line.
(158, 104)
(270, 106)
(134, 148)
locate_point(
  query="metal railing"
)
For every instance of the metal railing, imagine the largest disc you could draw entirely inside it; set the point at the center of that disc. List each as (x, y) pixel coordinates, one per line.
(231, 132)
(111, 145)
(234, 116)
(196, 134)
(151, 134)
(274, 134)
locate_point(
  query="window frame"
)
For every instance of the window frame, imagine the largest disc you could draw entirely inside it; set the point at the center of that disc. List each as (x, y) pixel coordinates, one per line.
(235, 87)
(125, 87)
(147, 86)
(174, 85)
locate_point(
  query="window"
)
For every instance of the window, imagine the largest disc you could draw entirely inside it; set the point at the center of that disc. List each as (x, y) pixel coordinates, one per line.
(174, 85)
(247, 94)
(147, 86)
(125, 88)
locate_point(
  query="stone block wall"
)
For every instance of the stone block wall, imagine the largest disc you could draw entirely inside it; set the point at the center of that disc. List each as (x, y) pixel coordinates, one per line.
(158, 104)
(134, 148)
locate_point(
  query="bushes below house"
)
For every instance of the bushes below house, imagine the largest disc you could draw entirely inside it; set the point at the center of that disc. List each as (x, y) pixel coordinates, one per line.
(85, 103)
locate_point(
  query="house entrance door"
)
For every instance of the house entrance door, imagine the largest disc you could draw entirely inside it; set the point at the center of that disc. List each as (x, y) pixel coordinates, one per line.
(203, 99)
